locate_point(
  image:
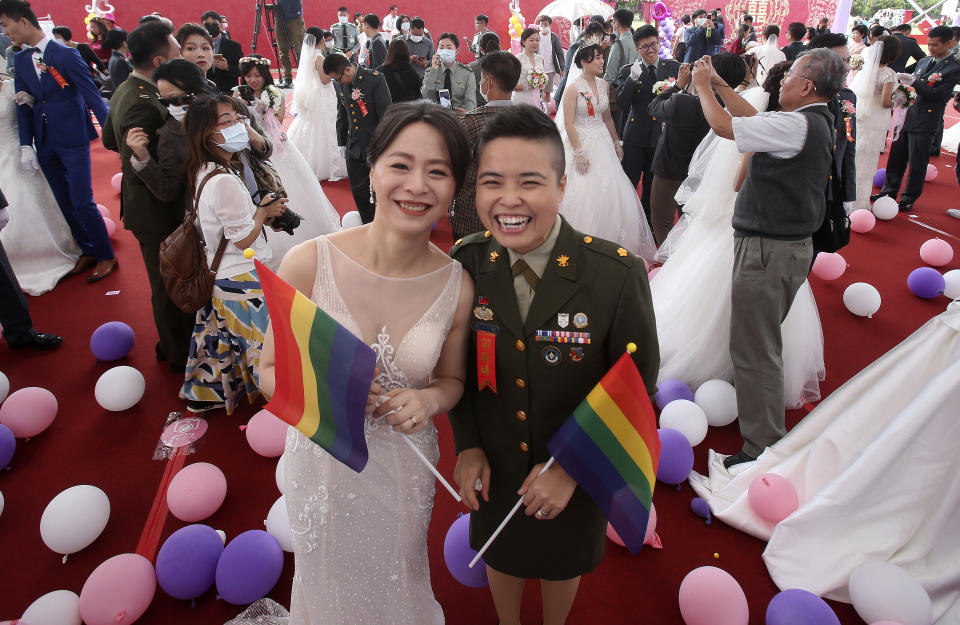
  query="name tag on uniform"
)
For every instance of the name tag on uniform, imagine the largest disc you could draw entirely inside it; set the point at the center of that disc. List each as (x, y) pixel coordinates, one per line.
(561, 336)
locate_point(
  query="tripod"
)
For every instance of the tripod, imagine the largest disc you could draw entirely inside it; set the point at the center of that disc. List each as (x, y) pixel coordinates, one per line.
(265, 13)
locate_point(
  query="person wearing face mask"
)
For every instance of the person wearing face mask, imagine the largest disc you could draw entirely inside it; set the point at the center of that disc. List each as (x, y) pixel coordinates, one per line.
(226, 55)
(446, 73)
(421, 47)
(152, 210)
(402, 27)
(552, 52)
(489, 42)
(346, 35)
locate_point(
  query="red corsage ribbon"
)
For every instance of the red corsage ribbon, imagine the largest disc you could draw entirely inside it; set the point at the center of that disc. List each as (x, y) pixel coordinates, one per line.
(58, 77)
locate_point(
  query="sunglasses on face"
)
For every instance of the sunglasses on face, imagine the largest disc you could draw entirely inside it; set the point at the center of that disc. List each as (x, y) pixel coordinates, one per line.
(176, 100)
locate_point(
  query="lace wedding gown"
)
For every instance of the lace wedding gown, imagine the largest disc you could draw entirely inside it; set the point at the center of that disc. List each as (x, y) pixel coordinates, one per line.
(37, 240)
(601, 202)
(872, 130)
(529, 95)
(360, 539)
(691, 291)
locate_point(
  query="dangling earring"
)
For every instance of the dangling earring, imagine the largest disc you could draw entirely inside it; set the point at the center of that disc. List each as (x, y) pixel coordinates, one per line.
(453, 206)
(373, 197)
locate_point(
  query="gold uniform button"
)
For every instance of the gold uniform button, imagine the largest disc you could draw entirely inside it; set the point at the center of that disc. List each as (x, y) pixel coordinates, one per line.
(356, 127)
(459, 241)
(632, 119)
(524, 446)
(521, 415)
(588, 239)
(520, 345)
(521, 383)
(486, 234)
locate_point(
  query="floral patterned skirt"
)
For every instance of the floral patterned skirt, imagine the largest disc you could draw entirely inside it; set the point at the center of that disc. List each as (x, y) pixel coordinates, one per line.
(227, 338)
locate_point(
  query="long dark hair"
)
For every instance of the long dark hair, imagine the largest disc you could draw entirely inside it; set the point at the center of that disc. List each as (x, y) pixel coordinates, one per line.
(262, 68)
(199, 123)
(398, 52)
(185, 75)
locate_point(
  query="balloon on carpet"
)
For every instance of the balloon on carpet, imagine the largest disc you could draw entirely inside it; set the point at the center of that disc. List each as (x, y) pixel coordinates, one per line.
(862, 221)
(931, 172)
(278, 524)
(74, 519)
(711, 596)
(880, 177)
(112, 341)
(60, 607)
(650, 536)
(457, 554)
(351, 220)
(28, 411)
(882, 591)
(926, 282)
(772, 497)
(119, 388)
(118, 591)
(187, 561)
(280, 474)
(669, 390)
(936, 252)
(687, 418)
(885, 208)
(951, 284)
(266, 434)
(701, 508)
(829, 265)
(249, 567)
(8, 446)
(196, 492)
(111, 226)
(115, 181)
(799, 607)
(103, 210)
(862, 299)
(718, 400)
(1, 504)
(676, 456)
(4, 386)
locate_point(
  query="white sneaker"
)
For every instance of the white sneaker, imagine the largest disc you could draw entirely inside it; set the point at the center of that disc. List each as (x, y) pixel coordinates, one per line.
(954, 212)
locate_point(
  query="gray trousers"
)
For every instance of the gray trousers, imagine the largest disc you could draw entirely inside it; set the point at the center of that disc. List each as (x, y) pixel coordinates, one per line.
(663, 208)
(766, 276)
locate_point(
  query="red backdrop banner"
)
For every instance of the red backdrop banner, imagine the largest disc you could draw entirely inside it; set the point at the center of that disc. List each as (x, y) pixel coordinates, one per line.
(779, 12)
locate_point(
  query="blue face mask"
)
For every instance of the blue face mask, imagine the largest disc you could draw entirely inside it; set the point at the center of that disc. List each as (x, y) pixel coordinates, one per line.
(235, 138)
(447, 56)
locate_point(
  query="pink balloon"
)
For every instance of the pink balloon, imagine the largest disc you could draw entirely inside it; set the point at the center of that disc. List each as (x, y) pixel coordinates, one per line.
(772, 497)
(862, 220)
(877, 623)
(266, 434)
(614, 536)
(196, 492)
(111, 226)
(931, 172)
(650, 538)
(936, 252)
(829, 266)
(118, 591)
(103, 210)
(711, 596)
(115, 181)
(29, 411)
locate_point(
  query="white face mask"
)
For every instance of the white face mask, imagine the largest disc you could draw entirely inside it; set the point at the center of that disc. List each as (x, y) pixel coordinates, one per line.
(405, 27)
(342, 19)
(416, 38)
(701, 20)
(544, 30)
(447, 56)
(328, 44)
(235, 138)
(482, 92)
(177, 112)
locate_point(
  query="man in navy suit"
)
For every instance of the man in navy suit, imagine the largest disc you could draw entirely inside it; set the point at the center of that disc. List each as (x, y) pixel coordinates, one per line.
(55, 88)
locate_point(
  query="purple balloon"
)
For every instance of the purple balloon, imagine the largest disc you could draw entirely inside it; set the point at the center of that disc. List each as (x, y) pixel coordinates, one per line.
(701, 508)
(676, 456)
(799, 607)
(249, 567)
(880, 177)
(458, 554)
(926, 282)
(669, 390)
(187, 561)
(8, 445)
(112, 341)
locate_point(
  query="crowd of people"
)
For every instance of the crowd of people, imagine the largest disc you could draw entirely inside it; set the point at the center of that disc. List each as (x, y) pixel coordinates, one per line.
(580, 204)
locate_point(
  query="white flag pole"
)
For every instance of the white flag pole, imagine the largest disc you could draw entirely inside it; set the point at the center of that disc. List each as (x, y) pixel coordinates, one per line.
(503, 523)
(432, 468)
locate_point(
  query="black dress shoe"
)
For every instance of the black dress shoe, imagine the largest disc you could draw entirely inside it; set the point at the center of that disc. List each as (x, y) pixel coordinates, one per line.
(905, 207)
(40, 340)
(877, 196)
(737, 458)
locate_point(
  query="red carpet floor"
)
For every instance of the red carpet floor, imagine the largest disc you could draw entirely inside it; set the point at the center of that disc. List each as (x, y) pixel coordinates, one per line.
(87, 445)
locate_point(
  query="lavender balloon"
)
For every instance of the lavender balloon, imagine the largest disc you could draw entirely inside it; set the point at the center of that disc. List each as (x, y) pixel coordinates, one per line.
(926, 282)
(669, 390)
(187, 561)
(8, 445)
(249, 567)
(701, 508)
(458, 554)
(799, 607)
(676, 456)
(112, 341)
(880, 177)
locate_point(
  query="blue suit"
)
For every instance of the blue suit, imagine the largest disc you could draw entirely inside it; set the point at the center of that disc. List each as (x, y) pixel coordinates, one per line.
(59, 125)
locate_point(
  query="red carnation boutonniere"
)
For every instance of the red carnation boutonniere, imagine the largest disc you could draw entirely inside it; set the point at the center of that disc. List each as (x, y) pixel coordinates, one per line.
(358, 98)
(933, 79)
(589, 98)
(849, 108)
(56, 75)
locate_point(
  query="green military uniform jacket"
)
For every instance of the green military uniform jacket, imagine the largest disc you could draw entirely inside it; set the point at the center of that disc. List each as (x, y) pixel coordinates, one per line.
(592, 287)
(357, 117)
(463, 84)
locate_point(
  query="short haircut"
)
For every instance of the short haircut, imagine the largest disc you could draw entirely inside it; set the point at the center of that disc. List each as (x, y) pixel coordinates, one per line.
(685, 19)
(402, 114)
(393, 7)
(17, 10)
(150, 18)
(545, 18)
(771, 30)
(586, 54)
(489, 42)
(860, 28)
(452, 37)
(943, 33)
(624, 17)
(891, 49)
(748, 18)
(208, 14)
(698, 13)
(826, 69)
(905, 29)
(528, 32)
(956, 32)
(115, 39)
(417, 22)
(797, 30)
(358, 14)
(482, 18)
(342, 10)
(645, 32)
(597, 19)
(523, 121)
(65, 33)
(730, 67)
(188, 29)
(371, 20)
(147, 41)
(828, 40)
(593, 28)
(877, 31)
(185, 75)
(335, 63)
(503, 67)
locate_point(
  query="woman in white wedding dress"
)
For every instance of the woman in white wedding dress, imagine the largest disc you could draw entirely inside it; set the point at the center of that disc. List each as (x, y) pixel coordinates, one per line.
(314, 129)
(599, 199)
(37, 239)
(360, 539)
(691, 291)
(523, 93)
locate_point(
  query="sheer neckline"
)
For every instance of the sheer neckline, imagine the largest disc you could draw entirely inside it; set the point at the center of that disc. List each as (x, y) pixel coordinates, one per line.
(359, 265)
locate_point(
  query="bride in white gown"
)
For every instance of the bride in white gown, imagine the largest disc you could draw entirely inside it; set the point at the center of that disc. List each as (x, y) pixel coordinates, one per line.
(37, 239)
(691, 291)
(599, 199)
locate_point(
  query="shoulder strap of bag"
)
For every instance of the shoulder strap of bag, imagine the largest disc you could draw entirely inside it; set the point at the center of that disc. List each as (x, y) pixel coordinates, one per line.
(196, 206)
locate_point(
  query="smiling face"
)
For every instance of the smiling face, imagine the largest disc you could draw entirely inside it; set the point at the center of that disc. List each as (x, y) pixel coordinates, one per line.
(532, 43)
(413, 180)
(254, 79)
(649, 49)
(518, 192)
(594, 65)
(198, 51)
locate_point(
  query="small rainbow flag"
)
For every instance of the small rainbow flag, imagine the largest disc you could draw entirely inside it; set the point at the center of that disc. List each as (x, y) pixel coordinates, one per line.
(323, 372)
(610, 446)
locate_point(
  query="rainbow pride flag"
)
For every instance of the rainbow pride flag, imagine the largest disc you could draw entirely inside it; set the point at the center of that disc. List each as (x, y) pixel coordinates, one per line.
(323, 372)
(610, 446)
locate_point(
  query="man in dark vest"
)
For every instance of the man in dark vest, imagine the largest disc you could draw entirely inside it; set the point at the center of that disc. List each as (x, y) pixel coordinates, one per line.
(780, 205)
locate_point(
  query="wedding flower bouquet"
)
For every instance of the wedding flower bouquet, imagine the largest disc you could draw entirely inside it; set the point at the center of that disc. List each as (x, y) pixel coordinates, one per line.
(272, 98)
(663, 85)
(537, 78)
(904, 96)
(856, 62)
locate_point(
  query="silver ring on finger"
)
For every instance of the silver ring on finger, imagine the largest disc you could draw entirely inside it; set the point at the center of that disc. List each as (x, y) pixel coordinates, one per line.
(413, 421)
(541, 513)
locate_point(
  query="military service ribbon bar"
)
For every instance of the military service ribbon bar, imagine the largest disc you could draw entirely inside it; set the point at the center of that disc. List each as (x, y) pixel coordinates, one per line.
(562, 336)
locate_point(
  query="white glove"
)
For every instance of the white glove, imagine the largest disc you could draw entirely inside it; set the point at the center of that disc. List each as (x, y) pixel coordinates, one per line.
(343, 151)
(28, 159)
(906, 79)
(22, 97)
(581, 162)
(4, 218)
(636, 70)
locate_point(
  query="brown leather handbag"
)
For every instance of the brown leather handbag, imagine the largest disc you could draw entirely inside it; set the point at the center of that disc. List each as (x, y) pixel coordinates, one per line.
(183, 260)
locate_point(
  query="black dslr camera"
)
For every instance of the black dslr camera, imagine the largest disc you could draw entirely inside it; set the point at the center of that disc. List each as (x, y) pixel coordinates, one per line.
(287, 221)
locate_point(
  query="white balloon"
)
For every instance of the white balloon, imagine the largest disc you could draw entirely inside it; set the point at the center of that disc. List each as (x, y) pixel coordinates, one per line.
(1, 503)
(718, 400)
(952, 281)
(74, 518)
(4, 386)
(281, 473)
(886, 208)
(223, 536)
(881, 591)
(687, 418)
(861, 299)
(60, 607)
(120, 388)
(351, 220)
(278, 524)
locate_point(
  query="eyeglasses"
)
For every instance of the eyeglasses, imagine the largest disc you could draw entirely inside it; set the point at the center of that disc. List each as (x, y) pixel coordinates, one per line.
(648, 46)
(792, 75)
(177, 100)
